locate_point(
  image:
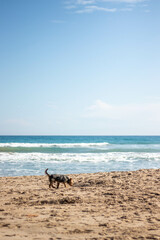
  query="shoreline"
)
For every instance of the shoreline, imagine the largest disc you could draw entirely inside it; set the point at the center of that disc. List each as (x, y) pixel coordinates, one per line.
(75, 174)
(102, 205)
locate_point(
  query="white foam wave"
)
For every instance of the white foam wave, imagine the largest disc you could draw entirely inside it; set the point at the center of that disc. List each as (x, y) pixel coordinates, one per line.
(75, 157)
(53, 145)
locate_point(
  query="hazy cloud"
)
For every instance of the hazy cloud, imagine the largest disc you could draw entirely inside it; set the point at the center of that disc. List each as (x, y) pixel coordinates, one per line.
(143, 112)
(90, 9)
(52, 105)
(124, 1)
(18, 122)
(89, 6)
(85, 2)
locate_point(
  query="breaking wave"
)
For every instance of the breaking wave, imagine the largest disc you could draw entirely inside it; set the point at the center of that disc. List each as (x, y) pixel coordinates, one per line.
(79, 157)
(52, 145)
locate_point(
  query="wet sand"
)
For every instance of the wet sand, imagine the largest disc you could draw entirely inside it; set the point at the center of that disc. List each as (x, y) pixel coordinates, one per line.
(115, 205)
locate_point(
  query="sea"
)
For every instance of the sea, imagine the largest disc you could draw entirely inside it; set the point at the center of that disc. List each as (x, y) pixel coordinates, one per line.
(31, 155)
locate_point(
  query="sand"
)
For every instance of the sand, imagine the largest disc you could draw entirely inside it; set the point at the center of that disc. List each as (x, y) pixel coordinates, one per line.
(115, 205)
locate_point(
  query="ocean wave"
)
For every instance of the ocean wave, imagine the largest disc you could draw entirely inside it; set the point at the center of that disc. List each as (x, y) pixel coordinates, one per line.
(103, 147)
(52, 145)
(81, 157)
(79, 145)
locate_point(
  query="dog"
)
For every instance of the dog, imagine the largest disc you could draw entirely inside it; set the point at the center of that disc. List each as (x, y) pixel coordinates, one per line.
(59, 179)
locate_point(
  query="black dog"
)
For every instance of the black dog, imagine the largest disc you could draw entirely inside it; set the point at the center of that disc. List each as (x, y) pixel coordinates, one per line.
(59, 179)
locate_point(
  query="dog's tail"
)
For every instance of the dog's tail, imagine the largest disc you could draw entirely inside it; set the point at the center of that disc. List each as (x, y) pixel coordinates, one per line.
(47, 172)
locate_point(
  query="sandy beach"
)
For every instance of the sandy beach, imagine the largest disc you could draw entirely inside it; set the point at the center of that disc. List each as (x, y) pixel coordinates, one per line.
(115, 205)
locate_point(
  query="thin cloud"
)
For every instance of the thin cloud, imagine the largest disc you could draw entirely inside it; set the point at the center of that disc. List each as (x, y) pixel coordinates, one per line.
(18, 122)
(103, 110)
(52, 105)
(85, 2)
(90, 9)
(126, 9)
(124, 1)
(90, 6)
(70, 7)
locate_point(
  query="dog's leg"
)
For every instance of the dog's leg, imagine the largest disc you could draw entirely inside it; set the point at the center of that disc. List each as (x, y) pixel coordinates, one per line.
(53, 181)
(58, 184)
(65, 184)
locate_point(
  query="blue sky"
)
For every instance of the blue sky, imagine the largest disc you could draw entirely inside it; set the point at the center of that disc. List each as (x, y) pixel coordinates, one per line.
(80, 67)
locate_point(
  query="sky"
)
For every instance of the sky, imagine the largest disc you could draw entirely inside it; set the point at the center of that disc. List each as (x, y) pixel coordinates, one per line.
(79, 67)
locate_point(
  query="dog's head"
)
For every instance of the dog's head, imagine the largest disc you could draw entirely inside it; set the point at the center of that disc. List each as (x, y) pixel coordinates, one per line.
(70, 181)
